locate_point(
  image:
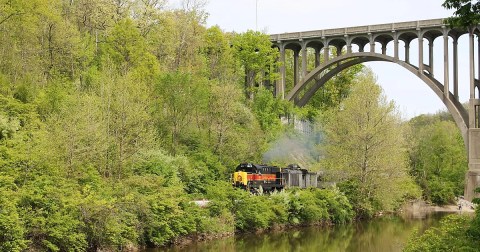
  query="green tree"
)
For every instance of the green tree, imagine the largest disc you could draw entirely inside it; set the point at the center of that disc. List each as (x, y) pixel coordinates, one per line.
(221, 64)
(179, 94)
(466, 14)
(256, 55)
(127, 49)
(437, 157)
(364, 147)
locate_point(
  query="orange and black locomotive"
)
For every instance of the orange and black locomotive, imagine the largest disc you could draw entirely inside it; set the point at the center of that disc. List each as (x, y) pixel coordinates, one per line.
(256, 177)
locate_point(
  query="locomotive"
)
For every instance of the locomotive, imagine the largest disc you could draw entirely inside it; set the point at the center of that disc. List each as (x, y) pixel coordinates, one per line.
(260, 177)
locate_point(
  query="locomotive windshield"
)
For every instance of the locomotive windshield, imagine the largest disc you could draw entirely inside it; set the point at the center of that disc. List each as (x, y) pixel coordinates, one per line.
(246, 168)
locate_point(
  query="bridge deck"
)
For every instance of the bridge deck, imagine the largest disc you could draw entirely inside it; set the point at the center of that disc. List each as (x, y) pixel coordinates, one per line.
(357, 30)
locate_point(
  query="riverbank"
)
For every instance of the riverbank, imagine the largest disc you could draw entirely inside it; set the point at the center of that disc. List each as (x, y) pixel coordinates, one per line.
(412, 210)
(386, 233)
(185, 241)
(420, 209)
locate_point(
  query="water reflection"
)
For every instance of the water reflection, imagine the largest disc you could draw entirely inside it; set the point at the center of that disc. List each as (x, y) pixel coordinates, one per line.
(383, 234)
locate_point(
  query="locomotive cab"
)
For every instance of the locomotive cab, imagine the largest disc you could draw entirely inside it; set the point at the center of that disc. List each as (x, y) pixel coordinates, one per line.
(256, 177)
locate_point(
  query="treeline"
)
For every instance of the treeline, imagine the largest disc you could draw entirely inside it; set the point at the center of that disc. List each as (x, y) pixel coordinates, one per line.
(116, 115)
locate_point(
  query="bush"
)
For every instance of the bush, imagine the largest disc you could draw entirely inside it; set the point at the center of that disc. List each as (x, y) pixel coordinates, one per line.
(305, 208)
(363, 207)
(11, 227)
(298, 207)
(51, 214)
(280, 206)
(253, 212)
(449, 236)
(441, 192)
(339, 208)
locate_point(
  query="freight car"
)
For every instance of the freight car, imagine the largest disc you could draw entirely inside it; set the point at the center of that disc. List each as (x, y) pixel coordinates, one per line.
(256, 177)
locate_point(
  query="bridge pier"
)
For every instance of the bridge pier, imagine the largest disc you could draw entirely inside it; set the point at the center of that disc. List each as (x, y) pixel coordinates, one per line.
(473, 181)
(473, 175)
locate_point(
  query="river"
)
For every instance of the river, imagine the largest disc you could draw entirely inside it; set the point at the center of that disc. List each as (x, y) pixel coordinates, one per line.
(388, 233)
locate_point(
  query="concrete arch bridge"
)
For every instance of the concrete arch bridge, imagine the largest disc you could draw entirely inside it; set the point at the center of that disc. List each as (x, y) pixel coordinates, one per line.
(370, 43)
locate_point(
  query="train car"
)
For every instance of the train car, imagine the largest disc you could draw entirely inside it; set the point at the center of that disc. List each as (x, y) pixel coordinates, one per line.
(294, 176)
(255, 177)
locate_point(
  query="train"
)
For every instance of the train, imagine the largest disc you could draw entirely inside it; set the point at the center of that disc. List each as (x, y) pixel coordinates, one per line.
(261, 177)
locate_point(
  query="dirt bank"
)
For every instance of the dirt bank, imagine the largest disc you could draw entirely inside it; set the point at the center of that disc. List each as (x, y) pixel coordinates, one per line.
(420, 209)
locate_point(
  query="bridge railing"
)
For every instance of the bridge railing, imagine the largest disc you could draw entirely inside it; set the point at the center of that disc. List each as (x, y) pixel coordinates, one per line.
(359, 29)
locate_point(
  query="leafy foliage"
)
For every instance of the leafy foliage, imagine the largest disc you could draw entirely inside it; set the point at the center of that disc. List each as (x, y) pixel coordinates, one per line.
(258, 58)
(313, 206)
(115, 116)
(364, 149)
(451, 235)
(437, 157)
(466, 14)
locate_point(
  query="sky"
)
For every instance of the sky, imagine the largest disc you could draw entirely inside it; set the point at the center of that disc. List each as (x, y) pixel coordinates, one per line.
(412, 96)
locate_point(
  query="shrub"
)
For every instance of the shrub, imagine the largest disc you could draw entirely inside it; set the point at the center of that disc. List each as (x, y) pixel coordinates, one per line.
(449, 236)
(11, 227)
(253, 212)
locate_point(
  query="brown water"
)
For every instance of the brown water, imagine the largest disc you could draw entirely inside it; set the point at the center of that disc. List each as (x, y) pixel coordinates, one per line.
(382, 234)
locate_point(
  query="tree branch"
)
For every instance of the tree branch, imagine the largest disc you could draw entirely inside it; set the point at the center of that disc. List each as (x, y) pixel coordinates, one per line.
(10, 16)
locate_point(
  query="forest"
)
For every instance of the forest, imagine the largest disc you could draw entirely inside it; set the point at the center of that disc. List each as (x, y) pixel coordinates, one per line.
(116, 115)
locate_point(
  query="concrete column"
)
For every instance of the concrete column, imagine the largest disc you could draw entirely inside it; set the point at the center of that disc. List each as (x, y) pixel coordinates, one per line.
(317, 57)
(384, 49)
(361, 48)
(372, 42)
(339, 50)
(339, 53)
(326, 53)
(472, 67)
(478, 58)
(446, 76)
(281, 84)
(295, 67)
(395, 46)
(420, 53)
(304, 60)
(349, 45)
(430, 55)
(455, 68)
(407, 51)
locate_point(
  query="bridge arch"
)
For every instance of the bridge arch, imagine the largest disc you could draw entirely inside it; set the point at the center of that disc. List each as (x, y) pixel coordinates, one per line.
(324, 72)
(316, 44)
(360, 41)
